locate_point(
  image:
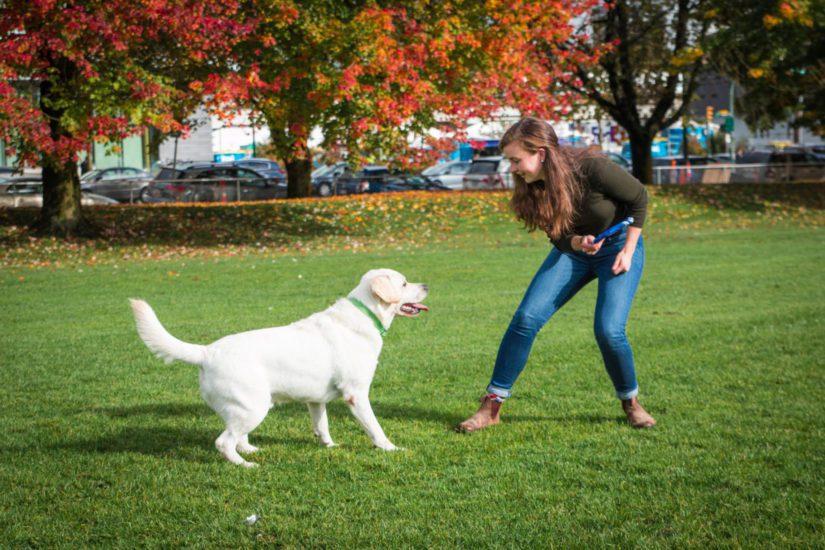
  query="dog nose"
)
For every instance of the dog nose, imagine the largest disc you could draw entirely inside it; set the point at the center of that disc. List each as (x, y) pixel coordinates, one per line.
(425, 288)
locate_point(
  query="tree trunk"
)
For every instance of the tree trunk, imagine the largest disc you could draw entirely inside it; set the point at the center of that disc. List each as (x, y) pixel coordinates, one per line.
(299, 178)
(61, 214)
(640, 144)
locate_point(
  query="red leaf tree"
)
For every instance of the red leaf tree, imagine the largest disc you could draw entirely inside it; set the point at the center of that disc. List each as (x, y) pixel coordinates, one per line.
(73, 71)
(370, 74)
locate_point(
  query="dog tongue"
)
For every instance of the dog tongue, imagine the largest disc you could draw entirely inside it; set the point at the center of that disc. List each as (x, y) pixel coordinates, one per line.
(420, 307)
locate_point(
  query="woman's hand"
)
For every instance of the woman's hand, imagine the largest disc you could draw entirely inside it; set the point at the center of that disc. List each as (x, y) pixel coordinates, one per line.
(623, 261)
(586, 244)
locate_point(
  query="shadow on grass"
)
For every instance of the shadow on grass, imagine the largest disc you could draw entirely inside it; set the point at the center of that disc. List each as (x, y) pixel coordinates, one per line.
(184, 443)
(749, 196)
(195, 445)
(156, 409)
(450, 420)
(213, 224)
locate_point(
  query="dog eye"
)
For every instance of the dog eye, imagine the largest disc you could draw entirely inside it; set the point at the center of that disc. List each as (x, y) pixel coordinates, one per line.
(405, 283)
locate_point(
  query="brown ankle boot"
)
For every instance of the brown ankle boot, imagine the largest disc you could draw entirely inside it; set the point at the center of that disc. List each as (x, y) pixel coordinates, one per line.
(486, 415)
(637, 416)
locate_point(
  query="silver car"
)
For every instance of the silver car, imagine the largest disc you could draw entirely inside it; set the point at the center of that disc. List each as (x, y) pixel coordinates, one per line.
(449, 174)
(489, 173)
(120, 183)
(28, 191)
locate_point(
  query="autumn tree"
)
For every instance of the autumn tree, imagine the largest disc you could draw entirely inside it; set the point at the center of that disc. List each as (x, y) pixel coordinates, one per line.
(648, 78)
(369, 74)
(773, 51)
(79, 70)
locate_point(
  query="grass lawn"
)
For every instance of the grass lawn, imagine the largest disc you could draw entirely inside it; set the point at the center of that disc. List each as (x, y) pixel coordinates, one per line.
(106, 446)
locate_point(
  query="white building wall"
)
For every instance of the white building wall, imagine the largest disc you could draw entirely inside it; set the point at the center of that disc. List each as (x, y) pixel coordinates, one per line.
(197, 146)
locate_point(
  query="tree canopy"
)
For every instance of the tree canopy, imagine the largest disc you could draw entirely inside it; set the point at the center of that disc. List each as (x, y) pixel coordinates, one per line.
(370, 74)
(646, 80)
(773, 50)
(80, 70)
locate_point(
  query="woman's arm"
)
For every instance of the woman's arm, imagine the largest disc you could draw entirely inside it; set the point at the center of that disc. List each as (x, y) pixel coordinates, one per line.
(625, 256)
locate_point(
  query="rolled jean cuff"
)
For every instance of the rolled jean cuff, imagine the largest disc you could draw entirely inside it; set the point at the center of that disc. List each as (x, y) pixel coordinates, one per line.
(504, 394)
(624, 396)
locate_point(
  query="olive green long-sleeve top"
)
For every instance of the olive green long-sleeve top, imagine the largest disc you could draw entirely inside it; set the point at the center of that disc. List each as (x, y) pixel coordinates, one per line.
(611, 194)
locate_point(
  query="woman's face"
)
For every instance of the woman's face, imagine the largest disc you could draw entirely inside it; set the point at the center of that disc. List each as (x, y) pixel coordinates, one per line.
(524, 163)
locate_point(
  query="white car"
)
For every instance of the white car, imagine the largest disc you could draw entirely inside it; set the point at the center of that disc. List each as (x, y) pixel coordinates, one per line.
(489, 173)
(28, 191)
(449, 174)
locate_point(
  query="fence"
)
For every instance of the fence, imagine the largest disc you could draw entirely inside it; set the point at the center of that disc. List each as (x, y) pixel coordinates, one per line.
(738, 173)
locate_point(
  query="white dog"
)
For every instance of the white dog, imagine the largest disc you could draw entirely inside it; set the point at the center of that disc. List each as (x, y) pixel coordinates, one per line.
(330, 354)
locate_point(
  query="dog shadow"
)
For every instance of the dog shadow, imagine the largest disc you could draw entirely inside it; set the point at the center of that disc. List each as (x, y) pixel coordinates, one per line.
(184, 442)
(155, 409)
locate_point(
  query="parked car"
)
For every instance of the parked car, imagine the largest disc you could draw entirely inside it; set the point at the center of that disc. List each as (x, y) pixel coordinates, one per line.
(123, 183)
(212, 182)
(449, 174)
(28, 191)
(789, 164)
(323, 178)
(818, 151)
(396, 181)
(268, 168)
(488, 173)
(343, 180)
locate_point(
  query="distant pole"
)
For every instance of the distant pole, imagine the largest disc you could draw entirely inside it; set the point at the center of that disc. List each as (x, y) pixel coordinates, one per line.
(254, 152)
(731, 96)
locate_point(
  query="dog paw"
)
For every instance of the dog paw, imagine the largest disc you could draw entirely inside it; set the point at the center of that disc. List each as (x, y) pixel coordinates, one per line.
(388, 447)
(249, 464)
(246, 449)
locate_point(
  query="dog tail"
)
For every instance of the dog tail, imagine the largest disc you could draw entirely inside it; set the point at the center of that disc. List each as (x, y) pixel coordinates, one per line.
(158, 339)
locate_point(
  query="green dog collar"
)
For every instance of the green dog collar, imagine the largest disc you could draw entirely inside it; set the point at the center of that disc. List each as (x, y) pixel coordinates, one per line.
(369, 313)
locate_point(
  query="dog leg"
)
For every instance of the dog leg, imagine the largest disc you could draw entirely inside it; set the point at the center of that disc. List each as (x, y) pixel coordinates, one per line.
(239, 422)
(362, 411)
(227, 444)
(320, 424)
(245, 447)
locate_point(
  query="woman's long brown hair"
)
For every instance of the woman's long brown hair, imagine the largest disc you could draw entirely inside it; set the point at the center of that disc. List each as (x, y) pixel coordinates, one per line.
(550, 205)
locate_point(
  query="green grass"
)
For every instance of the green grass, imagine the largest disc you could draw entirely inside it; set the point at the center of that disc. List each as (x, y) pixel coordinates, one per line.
(105, 446)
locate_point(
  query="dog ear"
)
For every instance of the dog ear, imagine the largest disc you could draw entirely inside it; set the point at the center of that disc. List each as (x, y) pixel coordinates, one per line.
(383, 288)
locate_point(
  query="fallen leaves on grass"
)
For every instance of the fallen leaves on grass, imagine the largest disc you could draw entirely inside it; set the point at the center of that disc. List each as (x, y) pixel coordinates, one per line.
(365, 222)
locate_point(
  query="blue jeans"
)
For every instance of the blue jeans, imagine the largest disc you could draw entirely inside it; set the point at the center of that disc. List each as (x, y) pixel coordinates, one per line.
(559, 278)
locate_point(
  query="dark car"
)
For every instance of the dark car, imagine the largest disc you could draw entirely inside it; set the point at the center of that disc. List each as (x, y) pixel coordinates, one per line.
(122, 183)
(359, 181)
(397, 181)
(340, 179)
(213, 182)
(789, 164)
(323, 178)
(266, 167)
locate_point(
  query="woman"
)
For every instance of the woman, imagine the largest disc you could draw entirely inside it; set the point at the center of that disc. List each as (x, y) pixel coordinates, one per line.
(571, 194)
